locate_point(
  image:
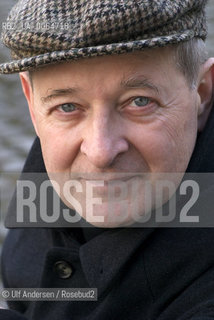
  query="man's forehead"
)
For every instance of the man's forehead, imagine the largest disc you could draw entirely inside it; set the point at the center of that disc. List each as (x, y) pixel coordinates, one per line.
(154, 56)
(139, 70)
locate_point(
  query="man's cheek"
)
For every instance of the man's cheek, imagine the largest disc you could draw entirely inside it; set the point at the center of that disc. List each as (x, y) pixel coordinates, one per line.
(158, 150)
(57, 160)
(55, 156)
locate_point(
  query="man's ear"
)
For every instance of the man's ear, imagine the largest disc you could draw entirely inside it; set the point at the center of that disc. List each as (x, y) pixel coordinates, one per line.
(28, 92)
(205, 92)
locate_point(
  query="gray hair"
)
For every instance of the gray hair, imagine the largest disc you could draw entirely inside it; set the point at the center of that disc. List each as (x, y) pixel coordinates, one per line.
(189, 56)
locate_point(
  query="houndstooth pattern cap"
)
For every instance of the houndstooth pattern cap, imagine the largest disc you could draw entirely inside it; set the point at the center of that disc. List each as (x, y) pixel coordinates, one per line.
(41, 32)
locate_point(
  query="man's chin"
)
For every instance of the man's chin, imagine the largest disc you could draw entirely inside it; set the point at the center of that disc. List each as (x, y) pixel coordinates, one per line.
(111, 215)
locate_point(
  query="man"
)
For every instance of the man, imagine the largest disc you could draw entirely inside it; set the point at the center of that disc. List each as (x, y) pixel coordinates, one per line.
(124, 93)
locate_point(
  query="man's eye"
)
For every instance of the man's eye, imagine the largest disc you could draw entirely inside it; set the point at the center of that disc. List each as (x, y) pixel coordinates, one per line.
(67, 107)
(140, 102)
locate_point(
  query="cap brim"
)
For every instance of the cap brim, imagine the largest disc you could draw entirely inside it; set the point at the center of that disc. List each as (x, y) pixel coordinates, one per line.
(101, 50)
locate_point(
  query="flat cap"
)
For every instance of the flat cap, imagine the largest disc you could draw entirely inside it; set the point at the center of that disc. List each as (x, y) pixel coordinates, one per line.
(41, 32)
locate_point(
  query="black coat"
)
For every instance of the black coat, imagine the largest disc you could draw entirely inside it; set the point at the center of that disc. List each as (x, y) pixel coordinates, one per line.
(149, 274)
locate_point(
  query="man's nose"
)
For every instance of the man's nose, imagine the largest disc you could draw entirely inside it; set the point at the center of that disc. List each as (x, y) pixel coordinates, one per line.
(103, 141)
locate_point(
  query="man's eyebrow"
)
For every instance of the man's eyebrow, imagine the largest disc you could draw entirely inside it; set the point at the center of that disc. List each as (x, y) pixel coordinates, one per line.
(58, 93)
(137, 82)
(132, 82)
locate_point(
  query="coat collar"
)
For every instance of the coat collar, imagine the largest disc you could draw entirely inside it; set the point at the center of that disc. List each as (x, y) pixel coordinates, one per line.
(104, 256)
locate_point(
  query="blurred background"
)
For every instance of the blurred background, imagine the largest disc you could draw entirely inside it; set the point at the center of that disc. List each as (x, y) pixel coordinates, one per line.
(16, 131)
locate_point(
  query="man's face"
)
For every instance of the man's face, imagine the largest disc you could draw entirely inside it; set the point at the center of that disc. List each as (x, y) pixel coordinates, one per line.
(126, 114)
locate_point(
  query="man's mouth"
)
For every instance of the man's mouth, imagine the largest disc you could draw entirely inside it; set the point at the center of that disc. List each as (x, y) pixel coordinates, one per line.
(108, 177)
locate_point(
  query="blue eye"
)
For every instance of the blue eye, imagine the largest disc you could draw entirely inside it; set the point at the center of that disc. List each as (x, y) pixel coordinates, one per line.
(141, 101)
(67, 107)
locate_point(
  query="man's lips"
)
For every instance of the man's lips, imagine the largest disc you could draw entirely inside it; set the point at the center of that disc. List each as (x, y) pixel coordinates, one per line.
(107, 178)
(106, 187)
